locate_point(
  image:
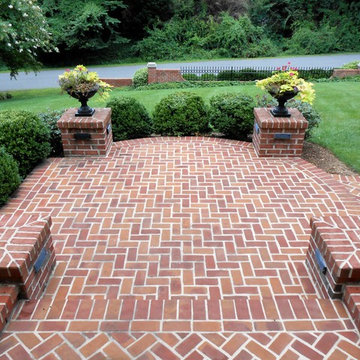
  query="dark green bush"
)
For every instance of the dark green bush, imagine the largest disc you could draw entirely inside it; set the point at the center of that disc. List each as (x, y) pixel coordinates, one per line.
(9, 175)
(25, 137)
(5, 96)
(50, 118)
(129, 119)
(140, 77)
(191, 77)
(232, 115)
(179, 114)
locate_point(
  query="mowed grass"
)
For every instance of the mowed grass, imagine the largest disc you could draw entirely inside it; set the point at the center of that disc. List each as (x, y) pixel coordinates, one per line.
(337, 102)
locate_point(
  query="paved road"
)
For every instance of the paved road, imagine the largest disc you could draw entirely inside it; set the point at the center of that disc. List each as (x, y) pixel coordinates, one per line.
(48, 78)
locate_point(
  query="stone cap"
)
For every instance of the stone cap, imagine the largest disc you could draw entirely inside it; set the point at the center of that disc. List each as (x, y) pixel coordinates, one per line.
(99, 120)
(338, 239)
(151, 65)
(266, 120)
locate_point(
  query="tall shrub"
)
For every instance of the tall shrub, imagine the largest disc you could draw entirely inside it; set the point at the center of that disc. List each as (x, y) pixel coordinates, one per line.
(25, 137)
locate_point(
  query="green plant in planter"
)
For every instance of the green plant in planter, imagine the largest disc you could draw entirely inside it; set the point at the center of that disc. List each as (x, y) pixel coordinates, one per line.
(284, 85)
(82, 84)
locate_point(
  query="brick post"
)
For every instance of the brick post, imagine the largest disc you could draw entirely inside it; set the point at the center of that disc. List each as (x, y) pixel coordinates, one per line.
(277, 136)
(86, 136)
(152, 72)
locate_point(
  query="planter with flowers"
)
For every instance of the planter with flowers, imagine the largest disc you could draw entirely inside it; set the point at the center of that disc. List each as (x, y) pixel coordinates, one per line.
(82, 84)
(284, 85)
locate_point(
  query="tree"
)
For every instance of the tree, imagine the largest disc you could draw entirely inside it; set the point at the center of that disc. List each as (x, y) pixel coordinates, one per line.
(82, 24)
(23, 32)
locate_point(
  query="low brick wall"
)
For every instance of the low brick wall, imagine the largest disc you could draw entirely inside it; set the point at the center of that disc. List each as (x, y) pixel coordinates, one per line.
(341, 73)
(86, 136)
(8, 298)
(164, 75)
(276, 136)
(118, 82)
(27, 257)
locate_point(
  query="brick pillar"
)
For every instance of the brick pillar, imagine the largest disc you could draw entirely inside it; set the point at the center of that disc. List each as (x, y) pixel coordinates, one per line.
(277, 136)
(86, 136)
(152, 75)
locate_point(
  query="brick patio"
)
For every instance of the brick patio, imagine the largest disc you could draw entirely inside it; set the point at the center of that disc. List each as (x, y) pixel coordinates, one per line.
(181, 248)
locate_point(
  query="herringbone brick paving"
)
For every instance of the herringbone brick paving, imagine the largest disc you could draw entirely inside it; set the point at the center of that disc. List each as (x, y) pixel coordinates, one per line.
(181, 248)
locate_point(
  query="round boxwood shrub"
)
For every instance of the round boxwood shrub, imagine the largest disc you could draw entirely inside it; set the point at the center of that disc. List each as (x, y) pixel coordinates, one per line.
(50, 119)
(129, 119)
(140, 77)
(232, 115)
(181, 113)
(9, 175)
(25, 137)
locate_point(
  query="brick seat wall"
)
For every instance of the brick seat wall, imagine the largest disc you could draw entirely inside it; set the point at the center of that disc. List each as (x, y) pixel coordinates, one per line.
(337, 238)
(20, 248)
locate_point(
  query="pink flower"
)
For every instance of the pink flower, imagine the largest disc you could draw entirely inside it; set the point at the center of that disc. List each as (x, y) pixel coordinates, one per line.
(289, 62)
(278, 68)
(284, 68)
(67, 70)
(291, 74)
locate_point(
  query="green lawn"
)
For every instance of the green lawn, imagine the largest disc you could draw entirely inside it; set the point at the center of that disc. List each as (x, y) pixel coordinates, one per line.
(337, 102)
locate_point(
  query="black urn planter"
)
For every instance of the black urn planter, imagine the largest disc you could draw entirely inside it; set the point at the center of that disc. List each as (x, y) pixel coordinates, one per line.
(281, 110)
(83, 97)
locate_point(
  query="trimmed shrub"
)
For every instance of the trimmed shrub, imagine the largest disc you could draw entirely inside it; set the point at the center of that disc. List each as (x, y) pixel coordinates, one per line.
(191, 77)
(25, 137)
(232, 115)
(309, 113)
(9, 175)
(129, 119)
(140, 77)
(50, 119)
(179, 114)
(352, 65)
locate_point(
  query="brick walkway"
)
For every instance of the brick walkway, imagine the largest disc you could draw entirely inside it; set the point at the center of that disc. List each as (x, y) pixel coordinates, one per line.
(181, 248)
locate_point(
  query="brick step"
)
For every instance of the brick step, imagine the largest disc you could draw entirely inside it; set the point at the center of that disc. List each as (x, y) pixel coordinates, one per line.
(352, 302)
(8, 299)
(242, 314)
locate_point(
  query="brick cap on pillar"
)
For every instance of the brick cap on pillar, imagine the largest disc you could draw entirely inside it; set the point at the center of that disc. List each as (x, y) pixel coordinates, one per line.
(99, 120)
(266, 120)
(151, 65)
(339, 243)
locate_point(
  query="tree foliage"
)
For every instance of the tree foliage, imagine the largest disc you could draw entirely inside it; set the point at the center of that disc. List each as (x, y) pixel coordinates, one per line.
(84, 25)
(23, 32)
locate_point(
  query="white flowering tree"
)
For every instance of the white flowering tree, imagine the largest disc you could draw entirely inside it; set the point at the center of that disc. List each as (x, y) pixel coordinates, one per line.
(23, 32)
